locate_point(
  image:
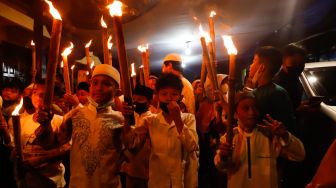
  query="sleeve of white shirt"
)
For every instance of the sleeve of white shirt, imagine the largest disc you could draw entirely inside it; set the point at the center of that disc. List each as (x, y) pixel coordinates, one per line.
(134, 138)
(188, 135)
(293, 149)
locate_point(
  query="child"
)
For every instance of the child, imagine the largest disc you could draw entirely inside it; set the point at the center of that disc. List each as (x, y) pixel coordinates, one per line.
(255, 148)
(83, 92)
(95, 131)
(46, 169)
(137, 167)
(172, 134)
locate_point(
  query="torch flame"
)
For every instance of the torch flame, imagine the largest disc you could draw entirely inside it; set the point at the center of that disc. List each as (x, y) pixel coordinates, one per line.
(62, 65)
(91, 65)
(17, 108)
(102, 22)
(32, 43)
(109, 43)
(212, 14)
(204, 34)
(133, 70)
(68, 50)
(72, 67)
(232, 50)
(143, 48)
(115, 8)
(87, 45)
(55, 14)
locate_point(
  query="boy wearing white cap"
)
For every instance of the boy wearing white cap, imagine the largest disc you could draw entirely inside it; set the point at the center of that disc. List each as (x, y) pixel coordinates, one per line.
(95, 132)
(172, 63)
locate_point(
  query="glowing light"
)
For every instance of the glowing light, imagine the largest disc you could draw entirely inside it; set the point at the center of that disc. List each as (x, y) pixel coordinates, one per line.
(143, 48)
(17, 108)
(204, 34)
(32, 43)
(91, 65)
(62, 65)
(72, 67)
(102, 22)
(109, 43)
(212, 14)
(55, 14)
(187, 51)
(87, 45)
(68, 50)
(312, 79)
(115, 8)
(228, 43)
(133, 70)
(87, 73)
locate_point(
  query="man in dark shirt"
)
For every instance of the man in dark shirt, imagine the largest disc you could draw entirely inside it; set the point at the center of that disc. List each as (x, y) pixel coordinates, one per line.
(288, 76)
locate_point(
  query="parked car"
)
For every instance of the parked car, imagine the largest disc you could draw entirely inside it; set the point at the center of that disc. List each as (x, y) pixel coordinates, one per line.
(319, 82)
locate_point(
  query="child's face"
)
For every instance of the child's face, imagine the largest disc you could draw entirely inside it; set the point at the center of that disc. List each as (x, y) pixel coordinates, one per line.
(82, 96)
(37, 95)
(168, 94)
(10, 94)
(102, 89)
(247, 113)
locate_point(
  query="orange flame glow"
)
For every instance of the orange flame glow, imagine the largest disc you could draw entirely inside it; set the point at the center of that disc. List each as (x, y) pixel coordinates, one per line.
(72, 67)
(55, 14)
(109, 43)
(17, 108)
(143, 48)
(32, 43)
(141, 67)
(115, 8)
(133, 70)
(91, 65)
(68, 50)
(204, 34)
(87, 72)
(228, 43)
(62, 65)
(102, 22)
(212, 14)
(87, 45)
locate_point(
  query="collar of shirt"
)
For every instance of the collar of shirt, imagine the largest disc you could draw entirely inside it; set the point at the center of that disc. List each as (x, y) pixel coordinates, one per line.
(107, 105)
(241, 131)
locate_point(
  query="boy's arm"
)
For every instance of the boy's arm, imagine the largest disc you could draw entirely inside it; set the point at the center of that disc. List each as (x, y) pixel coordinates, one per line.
(292, 149)
(58, 134)
(134, 138)
(188, 135)
(223, 155)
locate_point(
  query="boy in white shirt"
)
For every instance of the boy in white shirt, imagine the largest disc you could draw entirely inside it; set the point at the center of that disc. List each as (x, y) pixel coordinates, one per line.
(172, 135)
(255, 147)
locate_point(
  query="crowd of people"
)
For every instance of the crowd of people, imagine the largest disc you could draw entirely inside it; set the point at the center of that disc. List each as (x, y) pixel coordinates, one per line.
(179, 138)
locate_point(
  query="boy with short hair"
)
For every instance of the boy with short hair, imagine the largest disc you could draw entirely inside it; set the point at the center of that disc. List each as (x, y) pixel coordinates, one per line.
(45, 167)
(10, 94)
(172, 134)
(137, 168)
(255, 147)
(82, 92)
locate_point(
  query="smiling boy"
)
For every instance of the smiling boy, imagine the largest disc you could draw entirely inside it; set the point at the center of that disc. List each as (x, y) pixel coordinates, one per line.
(255, 147)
